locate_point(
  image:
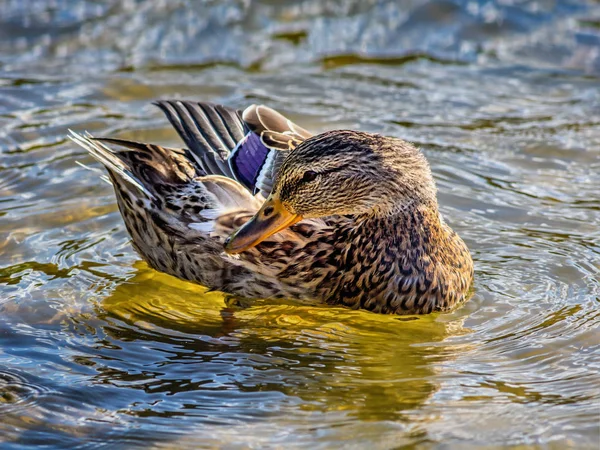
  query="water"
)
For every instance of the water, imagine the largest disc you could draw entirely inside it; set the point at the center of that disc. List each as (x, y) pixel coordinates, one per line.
(99, 351)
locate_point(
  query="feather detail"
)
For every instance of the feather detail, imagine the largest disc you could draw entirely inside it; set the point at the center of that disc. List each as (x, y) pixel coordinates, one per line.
(248, 159)
(247, 147)
(210, 132)
(277, 133)
(104, 155)
(260, 118)
(229, 193)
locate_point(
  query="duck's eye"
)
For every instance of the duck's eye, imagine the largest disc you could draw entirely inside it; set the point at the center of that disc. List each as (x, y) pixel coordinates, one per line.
(309, 175)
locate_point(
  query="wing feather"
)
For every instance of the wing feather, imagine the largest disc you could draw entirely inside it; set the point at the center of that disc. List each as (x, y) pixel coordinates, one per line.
(248, 147)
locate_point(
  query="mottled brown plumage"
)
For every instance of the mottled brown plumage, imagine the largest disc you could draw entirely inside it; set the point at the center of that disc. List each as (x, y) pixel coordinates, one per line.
(366, 231)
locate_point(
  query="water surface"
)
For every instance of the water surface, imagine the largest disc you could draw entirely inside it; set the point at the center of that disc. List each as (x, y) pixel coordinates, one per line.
(99, 351)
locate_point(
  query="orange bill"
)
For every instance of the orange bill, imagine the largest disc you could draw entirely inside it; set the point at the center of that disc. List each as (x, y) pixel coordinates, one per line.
(270, 219)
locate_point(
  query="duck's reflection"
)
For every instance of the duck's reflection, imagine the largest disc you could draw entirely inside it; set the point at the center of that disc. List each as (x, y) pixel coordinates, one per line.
(173, 339)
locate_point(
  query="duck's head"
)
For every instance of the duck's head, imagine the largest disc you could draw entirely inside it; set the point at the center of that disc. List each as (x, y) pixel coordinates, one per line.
(340, 173)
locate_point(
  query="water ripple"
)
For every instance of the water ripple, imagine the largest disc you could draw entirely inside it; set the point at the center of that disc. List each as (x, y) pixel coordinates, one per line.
(17, 394)
(99, 350)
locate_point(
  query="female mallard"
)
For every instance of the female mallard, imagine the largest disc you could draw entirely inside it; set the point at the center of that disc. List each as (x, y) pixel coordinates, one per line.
(350, 218)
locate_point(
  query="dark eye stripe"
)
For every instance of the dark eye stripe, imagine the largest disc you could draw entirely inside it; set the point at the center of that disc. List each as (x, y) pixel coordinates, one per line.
(333, 170)
(311, 175)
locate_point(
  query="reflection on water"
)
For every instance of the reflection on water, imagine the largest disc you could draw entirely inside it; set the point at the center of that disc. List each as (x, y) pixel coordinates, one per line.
(97, 349)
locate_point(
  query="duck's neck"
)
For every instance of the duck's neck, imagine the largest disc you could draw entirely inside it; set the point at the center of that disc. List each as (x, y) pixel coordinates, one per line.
(410, 232)
(390, 262)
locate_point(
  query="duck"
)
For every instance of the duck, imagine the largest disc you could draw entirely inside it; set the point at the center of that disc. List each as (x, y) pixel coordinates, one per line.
(257, 207)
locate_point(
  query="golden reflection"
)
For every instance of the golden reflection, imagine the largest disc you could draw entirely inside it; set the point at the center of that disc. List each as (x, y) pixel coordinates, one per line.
(371, 366)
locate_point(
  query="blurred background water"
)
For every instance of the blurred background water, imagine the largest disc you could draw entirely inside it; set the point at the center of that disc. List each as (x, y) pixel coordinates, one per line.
(503, 96)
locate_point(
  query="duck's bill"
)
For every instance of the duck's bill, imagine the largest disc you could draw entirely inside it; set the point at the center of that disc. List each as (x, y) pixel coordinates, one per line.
(270, 219)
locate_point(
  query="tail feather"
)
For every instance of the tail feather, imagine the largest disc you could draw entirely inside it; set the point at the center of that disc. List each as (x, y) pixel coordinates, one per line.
(154, 165)
(169, 175)
(100, 172)
(113, 163)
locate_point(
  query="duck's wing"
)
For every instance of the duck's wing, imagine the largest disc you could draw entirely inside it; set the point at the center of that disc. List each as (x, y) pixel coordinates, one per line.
(277, 133)
(166, 187)
(179, 213)
(247, 146)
